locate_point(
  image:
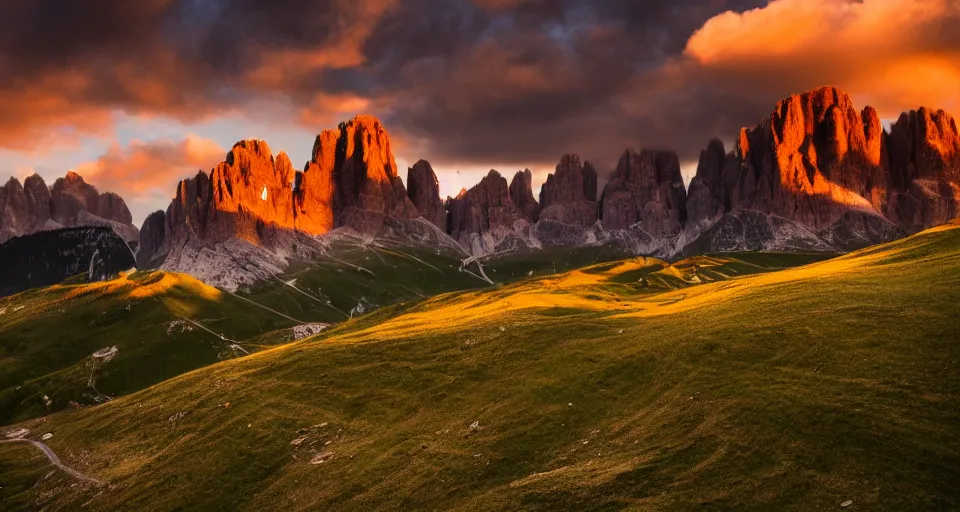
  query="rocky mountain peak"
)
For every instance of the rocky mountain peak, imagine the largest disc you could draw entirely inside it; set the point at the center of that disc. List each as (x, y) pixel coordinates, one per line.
(368, 189)
(486, 206)
(569, 195)
(521, 193)
(71, 202)
(423, 189)
(924, 154)
(646, 189)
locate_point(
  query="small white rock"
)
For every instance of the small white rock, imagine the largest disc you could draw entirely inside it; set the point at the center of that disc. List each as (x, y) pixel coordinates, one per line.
(46, 436)
(847, 503)
(475, 425)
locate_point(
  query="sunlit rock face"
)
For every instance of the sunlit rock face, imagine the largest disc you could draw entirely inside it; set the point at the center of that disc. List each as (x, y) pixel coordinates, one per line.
(350, 181)
(817, 164)
(569, 195)
(924, 150)
(423, 189)
(646, 190)
(71, 202)
(367, 188)
(242, 195)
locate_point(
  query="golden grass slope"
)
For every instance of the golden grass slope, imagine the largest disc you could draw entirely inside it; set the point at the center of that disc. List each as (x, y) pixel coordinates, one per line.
(795, 390)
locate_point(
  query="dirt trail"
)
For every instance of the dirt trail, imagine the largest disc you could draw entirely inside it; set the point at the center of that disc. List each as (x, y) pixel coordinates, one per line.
(56, 461)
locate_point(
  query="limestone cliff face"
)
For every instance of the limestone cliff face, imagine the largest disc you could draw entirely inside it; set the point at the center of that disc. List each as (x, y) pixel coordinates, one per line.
(350, 181)
(71, 194)
(646, 190)
(521, 194)
(424, 191)
(833, 172)
(569, 195)
(313, 188)
(242, 196)
(152, 236)
(484, 207)
(367, 187)
(71, 202)
(815, 158)
(924, 151)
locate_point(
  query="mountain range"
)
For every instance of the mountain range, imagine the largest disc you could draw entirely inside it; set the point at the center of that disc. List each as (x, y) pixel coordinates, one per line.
(816, 175)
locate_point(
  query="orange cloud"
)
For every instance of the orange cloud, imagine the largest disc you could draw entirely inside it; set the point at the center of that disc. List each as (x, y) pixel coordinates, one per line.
(146, 173)
(285, 68)
(892, 54)
(326, 110)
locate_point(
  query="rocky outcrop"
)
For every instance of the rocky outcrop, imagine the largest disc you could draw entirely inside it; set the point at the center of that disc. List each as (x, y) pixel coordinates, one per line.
(484, 219)
(152, 235)
(707, 196)
(367, 187)
(38, 201)
(257, 199)
(924, 152)
(485, 207)
(244, 196)
(569, 195)
(521, 193)
(423, 189)
(70, 202)
(646, 190)
(14, 219)
(49, 257)
(350, 181)
(816, 164)
(71, 195)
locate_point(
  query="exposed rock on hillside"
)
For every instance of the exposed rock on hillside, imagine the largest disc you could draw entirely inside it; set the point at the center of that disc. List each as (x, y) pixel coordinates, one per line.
(486, 206)
(708, 196)
(424, 192)
(244, 196)
(647, 190)
(569, 195)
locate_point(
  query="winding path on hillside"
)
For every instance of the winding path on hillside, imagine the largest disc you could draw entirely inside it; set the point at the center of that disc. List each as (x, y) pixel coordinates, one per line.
(56, 461)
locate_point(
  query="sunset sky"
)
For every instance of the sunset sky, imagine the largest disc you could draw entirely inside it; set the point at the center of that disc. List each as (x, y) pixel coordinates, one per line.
(135, 95)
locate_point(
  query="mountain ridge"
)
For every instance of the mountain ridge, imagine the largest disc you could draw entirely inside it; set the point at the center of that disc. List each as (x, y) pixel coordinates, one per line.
(816, 174)
(69, 202)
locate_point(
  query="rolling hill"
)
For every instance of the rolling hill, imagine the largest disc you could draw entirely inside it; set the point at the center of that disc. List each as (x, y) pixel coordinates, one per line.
(81, 343)
(599, 388)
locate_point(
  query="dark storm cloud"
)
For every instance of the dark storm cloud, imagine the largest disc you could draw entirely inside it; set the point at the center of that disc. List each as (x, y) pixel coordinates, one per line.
(456, 81)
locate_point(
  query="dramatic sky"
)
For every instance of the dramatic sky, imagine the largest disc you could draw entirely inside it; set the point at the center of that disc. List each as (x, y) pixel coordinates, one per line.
(135, 95)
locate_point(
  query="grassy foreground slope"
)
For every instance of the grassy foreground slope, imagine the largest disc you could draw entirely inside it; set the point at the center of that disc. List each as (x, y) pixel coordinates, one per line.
(792, 390)
(164, 324)
(796, 390)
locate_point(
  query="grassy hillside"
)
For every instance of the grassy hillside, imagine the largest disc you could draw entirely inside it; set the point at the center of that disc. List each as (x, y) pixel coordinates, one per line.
(792, 390)
(164, 324)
